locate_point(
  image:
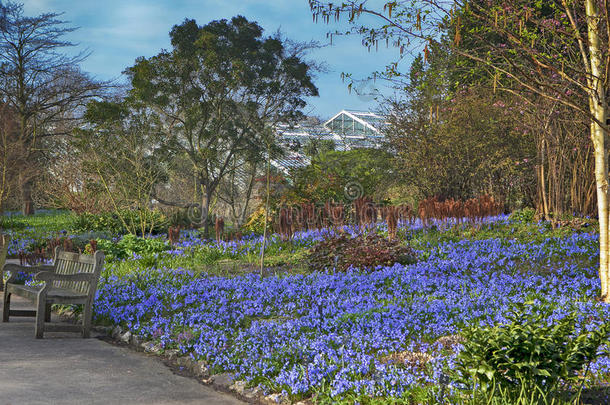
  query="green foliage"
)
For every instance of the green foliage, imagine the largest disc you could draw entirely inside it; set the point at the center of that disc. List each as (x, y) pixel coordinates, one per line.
(256, 222)
(123, 222)
(97, 222)
(11, 222)
(232, 84)
(329, 173)
(530, 357)
(130, 245)
(315, 147)
(364, 251)
(525, 215)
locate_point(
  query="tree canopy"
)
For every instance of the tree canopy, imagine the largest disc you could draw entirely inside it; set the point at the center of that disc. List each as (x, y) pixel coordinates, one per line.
(218, 92)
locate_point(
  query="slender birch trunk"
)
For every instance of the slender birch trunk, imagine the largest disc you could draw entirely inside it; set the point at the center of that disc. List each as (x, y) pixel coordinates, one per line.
(267, 191)
(601, 179)
(543, 192)
(598, 107)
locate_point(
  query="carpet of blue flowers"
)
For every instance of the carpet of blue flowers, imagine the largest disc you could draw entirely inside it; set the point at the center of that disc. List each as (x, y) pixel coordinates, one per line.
(329, 333)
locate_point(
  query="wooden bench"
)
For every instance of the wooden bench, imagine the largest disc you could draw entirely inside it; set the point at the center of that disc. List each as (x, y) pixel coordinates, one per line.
(72, 279)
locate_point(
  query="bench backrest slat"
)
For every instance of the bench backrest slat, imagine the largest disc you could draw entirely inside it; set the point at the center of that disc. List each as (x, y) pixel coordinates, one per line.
(74, 263)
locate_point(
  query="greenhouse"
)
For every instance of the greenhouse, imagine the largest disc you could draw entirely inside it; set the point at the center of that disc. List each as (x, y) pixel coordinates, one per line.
(347, 129)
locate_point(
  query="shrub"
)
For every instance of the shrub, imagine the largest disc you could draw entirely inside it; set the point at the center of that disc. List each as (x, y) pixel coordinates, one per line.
(527, 357)
(181, 218)
(98, 222)
(256, 222)
(154, 222)
(81, 240)
(364, 251)
(131, 245)
(524, 215)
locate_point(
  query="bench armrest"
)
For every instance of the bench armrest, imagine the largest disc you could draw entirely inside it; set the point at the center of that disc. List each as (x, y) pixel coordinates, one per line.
(14, 268)
(49, 276)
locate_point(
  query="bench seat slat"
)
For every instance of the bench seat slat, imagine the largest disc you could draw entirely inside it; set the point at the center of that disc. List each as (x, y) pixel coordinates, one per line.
(23, 312)
(58, 327)
(51, 292)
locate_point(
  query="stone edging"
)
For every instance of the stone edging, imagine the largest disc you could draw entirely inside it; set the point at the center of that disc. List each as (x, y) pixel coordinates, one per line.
(198, 369)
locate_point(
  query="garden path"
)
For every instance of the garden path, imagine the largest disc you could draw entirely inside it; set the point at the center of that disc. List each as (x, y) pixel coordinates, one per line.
(65, 369)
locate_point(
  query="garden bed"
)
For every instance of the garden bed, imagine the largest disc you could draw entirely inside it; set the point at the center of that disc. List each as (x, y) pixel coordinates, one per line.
(366, 335)
(326, 336)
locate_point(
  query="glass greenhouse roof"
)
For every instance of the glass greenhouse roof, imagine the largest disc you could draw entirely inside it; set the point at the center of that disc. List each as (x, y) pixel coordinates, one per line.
(347, 129)
(356, 124)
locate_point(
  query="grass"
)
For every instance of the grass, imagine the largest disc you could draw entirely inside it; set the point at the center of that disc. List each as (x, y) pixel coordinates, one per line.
(34, 231)
(280, 256)
(41, 223)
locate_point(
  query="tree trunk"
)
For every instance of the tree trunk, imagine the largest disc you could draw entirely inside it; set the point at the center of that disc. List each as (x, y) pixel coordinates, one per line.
(205, 211)
(252, 181)
(542, 177)
(26, 196)
(598, 107)
(266, 216)
(601, 180)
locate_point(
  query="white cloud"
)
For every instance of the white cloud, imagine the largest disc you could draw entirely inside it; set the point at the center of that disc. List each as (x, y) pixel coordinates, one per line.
(32, 7)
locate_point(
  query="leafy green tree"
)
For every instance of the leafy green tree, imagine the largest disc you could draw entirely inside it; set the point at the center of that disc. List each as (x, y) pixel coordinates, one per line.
(218, 91)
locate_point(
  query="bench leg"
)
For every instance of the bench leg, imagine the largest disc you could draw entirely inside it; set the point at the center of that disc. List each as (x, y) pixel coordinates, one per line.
(7, 306)
(47, 313)
(87, 320)
(40, 316)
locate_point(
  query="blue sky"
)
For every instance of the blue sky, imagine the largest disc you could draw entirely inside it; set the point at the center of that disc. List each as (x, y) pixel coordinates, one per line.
(118, 31)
